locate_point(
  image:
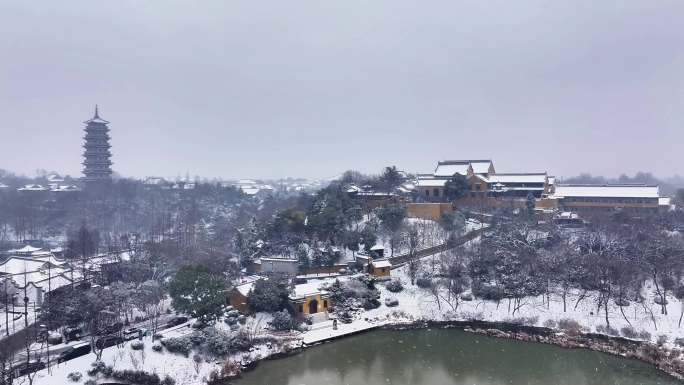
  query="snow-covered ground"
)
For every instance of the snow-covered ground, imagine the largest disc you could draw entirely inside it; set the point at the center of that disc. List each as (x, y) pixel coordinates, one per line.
(182, 369)
(419, 303)
(414, 304)
(15, 325)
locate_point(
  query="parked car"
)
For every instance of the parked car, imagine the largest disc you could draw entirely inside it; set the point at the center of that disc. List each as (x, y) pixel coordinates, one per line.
(74, 351)
(132, 333)
(73, 333)
(175, 321)
(113, 328)
(107, 341)
(23, 369)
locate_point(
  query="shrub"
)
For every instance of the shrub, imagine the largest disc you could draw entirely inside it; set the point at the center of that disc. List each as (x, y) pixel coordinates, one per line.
(609, 330)
(530, 321)
(424, 282)
(370, 303)
(181, 345)
(679, 342)
(472, 316)
(240, 342)
(549, 323)
(394, 286)
(282, 320)
(487, 292)
(466, 297)
(662, 339)
(157, 348)
(570, 326)
(139, 377)
(391, 302)
(137, 345)
(216, 342)
(168, 380)
(74, 376)
(659, 300)
(644, 335)
(97, 367)
(90, 382)
(629, 332)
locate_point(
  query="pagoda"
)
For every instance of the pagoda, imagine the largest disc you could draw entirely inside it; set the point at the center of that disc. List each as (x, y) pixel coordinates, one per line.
(97, 164)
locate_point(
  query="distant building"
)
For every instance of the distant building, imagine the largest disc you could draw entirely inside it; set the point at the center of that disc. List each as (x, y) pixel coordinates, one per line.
(157, 182)
(430, 187)
(578, 197)
(279, 266)
(518, 185)
(97, 164)
(33, 187)
(33, 276)
(486, 186)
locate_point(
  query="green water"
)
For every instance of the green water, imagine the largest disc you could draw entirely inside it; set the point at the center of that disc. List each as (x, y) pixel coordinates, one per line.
(445, 357)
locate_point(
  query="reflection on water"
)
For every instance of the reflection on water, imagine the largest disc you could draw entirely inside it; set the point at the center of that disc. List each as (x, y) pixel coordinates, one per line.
(444, 357)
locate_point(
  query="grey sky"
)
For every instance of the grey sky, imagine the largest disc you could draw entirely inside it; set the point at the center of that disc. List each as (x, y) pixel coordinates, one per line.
(311, 88)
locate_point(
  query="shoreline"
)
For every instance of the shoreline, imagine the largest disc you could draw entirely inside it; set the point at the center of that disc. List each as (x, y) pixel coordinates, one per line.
(661, 358)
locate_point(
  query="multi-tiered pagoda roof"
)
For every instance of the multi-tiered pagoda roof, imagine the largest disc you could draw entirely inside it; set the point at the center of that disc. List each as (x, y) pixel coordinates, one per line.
(97, 164)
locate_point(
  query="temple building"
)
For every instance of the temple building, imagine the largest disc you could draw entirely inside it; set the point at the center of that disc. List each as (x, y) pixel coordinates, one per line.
(97, 164)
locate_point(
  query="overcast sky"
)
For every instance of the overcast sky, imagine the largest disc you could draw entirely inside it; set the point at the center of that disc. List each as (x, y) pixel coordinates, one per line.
(311, 88)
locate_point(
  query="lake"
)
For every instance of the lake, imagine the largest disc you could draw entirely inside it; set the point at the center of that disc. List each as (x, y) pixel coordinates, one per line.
(444, 357)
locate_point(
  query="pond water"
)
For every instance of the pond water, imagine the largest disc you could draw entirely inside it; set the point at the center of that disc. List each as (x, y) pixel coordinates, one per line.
(445, 357)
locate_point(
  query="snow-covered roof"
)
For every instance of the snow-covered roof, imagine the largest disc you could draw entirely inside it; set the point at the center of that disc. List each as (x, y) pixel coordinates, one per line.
(154, 180)
(247, 283)
(518, 178)
(54, 178)
(353, 189)
(276, 259)
(664, 201)
(382, 263)
(245, 288)
(249, 190)
(66, 188)
(25, 250)
(431, 182)
(552, 180)
(607, 191)
(306, 289)
(378, 247)
(567, 215)
(481, 166)
(451, 168)
(20, 265)
(32, 187)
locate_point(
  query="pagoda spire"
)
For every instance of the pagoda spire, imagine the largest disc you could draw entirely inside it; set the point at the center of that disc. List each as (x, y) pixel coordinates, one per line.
(97, 115)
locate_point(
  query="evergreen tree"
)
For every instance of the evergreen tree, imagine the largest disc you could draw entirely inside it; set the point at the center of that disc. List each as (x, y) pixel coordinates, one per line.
(456, 187)
(198, 291)
(268, 296)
